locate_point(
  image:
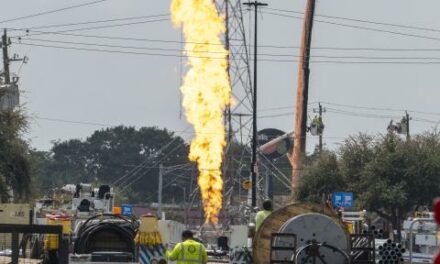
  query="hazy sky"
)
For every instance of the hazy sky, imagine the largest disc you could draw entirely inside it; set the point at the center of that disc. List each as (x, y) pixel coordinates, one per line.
(143, 90)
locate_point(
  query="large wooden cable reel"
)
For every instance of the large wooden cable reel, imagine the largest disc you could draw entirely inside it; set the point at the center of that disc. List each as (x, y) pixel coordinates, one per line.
(309, 222)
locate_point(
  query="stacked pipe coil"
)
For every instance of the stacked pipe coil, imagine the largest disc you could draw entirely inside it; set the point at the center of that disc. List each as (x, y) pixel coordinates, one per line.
(377, 233)
(390, 253)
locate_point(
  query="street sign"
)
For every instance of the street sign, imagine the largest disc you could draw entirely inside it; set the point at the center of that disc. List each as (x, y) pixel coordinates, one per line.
(342, 199)
(127, 209)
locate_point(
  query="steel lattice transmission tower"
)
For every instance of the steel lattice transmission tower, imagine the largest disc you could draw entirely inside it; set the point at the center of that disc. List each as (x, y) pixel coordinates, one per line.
(238, 116)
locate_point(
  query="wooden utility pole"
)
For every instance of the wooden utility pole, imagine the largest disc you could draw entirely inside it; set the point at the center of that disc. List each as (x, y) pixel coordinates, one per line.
(256, 5)
(299, 149)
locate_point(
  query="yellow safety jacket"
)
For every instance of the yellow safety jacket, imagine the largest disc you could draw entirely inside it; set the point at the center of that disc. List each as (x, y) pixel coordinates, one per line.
(260, 217)
(188, 252)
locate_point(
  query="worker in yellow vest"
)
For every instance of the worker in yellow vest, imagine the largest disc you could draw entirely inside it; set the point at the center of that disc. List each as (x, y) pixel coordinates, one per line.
(263, 214)
(189, 251)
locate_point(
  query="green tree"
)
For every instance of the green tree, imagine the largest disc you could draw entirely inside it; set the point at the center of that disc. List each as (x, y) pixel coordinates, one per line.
(122, 155)
(401, 176)
(354, 154)
(321, 177)
(388, 175)
(15, 171)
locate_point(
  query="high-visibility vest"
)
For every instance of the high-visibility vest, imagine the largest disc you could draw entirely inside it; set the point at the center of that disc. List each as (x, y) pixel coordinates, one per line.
(188, 252)
(260, 217)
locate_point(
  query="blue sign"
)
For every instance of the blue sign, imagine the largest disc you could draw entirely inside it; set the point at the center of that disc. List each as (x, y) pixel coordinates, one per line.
(342, 199)
(127, 209)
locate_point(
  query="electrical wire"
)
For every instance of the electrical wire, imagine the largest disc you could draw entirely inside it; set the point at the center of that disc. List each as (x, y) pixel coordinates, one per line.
(52, 11)
(96, 27)
(116, 51)
(28, 29)
(360, 20)
(117, 46)
(211, 52)
(74, 122)
(232, 45)
(151, 156)
(359, 114)
(359, 27)
(381, 108)
(434, 62)
(128, 183)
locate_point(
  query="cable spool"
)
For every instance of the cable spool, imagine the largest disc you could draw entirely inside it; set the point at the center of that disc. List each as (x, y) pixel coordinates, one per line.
(294, 217)
(314, 227)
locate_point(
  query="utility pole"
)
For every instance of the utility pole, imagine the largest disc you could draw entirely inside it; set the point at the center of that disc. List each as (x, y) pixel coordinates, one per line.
(299, 148)
(255, 5)
(320, 111)
(159, 188)
(408, 137)
(320, 134)
(5, 45)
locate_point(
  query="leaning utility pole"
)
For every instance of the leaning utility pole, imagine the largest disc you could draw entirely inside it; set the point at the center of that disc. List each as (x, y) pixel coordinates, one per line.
(5, 45)
(299, 148)
(255, 4)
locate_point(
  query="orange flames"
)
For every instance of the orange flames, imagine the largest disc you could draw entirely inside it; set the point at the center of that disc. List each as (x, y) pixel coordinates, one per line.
(206, 93)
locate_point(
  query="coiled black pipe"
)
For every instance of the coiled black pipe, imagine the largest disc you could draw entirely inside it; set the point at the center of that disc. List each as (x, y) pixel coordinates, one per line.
(126, 230)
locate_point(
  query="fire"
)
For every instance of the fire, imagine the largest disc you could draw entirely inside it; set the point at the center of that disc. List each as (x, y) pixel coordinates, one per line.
(206, 93)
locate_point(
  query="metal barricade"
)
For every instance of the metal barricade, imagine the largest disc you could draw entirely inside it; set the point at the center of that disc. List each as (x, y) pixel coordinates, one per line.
(26, 245)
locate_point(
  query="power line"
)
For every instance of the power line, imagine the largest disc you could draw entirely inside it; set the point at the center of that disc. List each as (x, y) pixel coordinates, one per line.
(129, 183)
(213, 52)
(360, 62)
(112, 51)
(358, 114)
(96, 27)
(362, 21)
(52, 11)
(360, 27)
(377, 116)
(117, 38)
(74, 122)
(425, 120)
(89, 22)
(212, 57)
(382, 108)
(118, 46)
(135, 170)
(262, 46)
